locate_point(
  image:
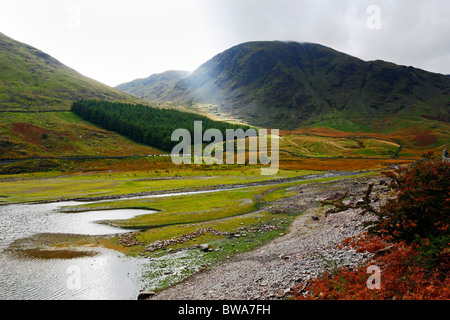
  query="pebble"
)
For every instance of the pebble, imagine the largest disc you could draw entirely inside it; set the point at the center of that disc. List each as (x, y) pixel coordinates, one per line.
(185, 237)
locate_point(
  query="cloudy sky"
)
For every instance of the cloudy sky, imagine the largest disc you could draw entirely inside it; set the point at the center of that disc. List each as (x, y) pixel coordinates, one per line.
(117, 41)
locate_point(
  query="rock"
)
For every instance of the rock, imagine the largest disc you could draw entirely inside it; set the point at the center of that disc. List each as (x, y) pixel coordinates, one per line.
(204, 247)
(360, 202)
(143, 295)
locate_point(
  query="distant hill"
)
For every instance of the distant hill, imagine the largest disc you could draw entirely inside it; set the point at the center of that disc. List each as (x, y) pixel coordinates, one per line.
(287, 84)
(31, 80)
(153, 87)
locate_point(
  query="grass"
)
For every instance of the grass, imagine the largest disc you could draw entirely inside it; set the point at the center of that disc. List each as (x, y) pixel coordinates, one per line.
(61, 134)
(184, 209)
(343, 124)
(50, 186)
(309, 145)
(223, 210)
(278, 194)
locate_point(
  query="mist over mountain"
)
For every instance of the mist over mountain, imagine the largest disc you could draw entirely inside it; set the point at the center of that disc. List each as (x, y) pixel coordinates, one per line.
(289, 84)
(153, 87)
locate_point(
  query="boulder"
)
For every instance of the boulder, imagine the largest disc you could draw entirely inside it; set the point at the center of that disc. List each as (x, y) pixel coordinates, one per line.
(204, 247)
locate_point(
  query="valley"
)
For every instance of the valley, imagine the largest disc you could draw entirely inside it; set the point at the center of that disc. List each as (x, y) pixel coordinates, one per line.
(70, 146)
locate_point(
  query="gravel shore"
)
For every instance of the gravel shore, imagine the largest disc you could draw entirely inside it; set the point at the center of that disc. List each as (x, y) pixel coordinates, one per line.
(270, 271)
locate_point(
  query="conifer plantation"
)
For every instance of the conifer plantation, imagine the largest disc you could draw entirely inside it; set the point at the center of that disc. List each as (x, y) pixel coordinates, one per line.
(140, 123)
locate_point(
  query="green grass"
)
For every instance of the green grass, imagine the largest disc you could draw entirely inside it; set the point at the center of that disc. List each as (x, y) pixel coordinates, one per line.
(60, 134)
(195, 208)
(184, 209)
(278, 194)
(50, 186)
(345, 147)
(343, 124)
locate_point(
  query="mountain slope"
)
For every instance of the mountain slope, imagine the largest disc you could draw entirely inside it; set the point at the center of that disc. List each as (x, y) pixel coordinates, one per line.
(287, 84)
(31, 84)
(31, 80)
(153, 87)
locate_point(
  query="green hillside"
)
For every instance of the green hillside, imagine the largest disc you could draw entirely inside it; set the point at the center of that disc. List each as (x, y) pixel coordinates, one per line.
(153, 87)
(31, 80)
(287, 84)
(36, 94)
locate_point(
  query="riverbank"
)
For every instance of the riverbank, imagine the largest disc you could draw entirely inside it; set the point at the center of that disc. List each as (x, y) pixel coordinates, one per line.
(235, 220)
(306, 250)
(213, 187)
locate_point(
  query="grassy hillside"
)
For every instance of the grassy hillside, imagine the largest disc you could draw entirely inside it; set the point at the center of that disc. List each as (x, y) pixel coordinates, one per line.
(401, 121)
(286, 85)
(31, 80)
(153, 87)
(36, 93)
(60, 134)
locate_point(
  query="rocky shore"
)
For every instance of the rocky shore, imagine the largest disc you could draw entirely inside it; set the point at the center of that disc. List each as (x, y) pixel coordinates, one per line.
(310, 247)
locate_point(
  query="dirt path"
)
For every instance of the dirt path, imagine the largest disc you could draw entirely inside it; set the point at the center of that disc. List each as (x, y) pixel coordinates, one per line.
(309, 247)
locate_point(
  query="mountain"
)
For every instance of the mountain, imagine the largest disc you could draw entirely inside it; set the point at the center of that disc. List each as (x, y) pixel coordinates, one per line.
(31, 80)
(287, 84)
(36, 93)
(153, 87)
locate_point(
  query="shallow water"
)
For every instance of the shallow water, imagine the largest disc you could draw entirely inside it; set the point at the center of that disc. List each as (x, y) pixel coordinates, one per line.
(105, 275)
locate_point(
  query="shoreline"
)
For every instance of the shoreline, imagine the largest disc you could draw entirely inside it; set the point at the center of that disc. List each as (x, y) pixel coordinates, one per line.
(218, 187)
(269, 272)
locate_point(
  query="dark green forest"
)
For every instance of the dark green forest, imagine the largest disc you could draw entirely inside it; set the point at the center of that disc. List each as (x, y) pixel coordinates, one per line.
(143, 124)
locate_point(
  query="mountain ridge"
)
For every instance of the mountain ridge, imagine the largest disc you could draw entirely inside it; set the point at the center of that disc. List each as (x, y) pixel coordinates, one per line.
(152, 87)
(289, 84)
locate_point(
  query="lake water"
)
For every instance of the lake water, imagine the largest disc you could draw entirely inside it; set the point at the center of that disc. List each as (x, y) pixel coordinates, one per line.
(105, 275)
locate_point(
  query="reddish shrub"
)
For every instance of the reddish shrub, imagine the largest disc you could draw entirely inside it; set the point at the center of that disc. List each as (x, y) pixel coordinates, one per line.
(421, 208)
(425, 139)
(403, 276)
(410, 241)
